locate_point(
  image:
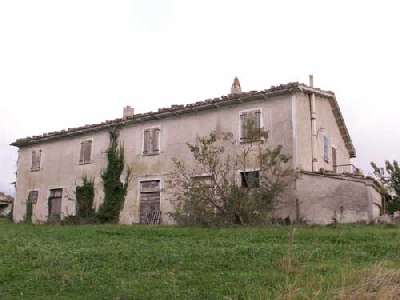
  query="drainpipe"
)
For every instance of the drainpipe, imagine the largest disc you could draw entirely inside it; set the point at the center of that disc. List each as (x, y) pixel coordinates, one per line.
(313, 126)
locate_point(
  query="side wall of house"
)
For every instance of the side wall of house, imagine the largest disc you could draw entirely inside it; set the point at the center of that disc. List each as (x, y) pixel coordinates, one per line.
(60, 166)
(326, 126)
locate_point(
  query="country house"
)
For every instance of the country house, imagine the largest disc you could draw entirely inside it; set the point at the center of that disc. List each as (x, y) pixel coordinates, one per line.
(305, 120)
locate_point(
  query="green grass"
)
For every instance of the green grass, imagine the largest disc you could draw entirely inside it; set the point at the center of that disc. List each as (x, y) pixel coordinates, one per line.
(156, 262)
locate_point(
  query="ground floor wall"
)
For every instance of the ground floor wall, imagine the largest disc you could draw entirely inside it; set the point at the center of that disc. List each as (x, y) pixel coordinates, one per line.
(325, 199)
(314, 199)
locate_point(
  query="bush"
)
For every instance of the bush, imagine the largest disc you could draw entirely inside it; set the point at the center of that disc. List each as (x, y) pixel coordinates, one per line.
(217, 198)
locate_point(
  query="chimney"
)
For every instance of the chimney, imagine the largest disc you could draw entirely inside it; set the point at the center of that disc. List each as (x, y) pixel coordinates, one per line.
(236, 89)
(311, 80)
(128, 112)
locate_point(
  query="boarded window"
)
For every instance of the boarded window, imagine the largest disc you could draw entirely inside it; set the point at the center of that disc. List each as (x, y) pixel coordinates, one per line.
(250, 125)
(36, 154)
(326, 149)
(54, 204)
(250, 179)
(86, 152)
(150, 202)
(33, 197)
(151, 141)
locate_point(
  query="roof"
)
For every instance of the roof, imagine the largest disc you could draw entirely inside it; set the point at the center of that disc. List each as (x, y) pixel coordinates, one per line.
(176, 110)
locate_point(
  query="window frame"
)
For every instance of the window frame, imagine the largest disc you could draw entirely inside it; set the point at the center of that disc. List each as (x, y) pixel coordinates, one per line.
(152, 128)
(37, 197)
(63, 192)
(249, 171)
(38, 150)
(243, 140)
(81, 142)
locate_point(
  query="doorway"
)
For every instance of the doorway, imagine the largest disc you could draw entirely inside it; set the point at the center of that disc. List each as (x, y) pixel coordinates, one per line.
(150, 202)
(55, 200)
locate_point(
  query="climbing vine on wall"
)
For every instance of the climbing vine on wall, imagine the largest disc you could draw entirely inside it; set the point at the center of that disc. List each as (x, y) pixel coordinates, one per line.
(84, 199)
(114, 190)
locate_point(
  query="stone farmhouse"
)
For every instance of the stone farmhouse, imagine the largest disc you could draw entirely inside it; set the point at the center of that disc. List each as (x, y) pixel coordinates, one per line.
(305, 120)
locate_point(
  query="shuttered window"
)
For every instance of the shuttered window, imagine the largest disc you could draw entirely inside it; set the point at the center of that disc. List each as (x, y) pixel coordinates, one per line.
(86, 152)
(326, 149)
(250, 125)
(36, 160)
(151, 141)
(33, 197)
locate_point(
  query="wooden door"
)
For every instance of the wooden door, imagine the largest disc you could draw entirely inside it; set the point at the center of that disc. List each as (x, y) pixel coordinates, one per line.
(55, 201)
(149, 201)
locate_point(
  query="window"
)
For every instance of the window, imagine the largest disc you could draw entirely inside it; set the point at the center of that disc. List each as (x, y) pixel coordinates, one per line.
(326, 149)
(36, 154)
(202, 179)
(250, 125)
(151, 141)
(334, 161)
(150, 202)
(250, 179)
(33, 197)
(86, 152)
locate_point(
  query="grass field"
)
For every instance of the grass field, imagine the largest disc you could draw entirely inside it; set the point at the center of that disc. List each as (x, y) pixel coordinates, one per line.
(143, 262)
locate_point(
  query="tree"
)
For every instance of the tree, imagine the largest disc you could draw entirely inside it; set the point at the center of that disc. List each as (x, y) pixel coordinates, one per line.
(114, 190)
(216, 188)
(389, 185)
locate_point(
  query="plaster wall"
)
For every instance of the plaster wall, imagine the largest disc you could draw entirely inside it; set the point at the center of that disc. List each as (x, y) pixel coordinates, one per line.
(323, 199)
(326, 120)
(60, 166)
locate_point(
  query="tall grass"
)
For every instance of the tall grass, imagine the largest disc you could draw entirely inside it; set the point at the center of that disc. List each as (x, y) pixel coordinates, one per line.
(157, 262)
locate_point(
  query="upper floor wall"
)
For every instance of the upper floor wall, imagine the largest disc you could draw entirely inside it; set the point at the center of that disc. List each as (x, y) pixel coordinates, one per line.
(330, 151)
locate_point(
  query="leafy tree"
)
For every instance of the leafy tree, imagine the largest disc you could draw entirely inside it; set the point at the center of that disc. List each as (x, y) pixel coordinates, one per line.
(114, 190)
(209, 190)
(389, 185)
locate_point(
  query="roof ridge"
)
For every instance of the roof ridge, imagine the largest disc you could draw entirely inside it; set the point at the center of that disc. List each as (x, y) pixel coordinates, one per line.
(174, 109)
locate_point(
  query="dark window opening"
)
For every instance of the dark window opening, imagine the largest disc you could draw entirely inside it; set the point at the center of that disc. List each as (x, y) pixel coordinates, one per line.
(250, 179)
(33, 197)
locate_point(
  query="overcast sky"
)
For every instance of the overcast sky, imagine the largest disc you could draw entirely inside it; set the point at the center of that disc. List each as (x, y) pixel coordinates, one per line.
(70, 63)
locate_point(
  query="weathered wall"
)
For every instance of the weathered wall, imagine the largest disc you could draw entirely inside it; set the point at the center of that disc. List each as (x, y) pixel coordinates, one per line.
(325, 198)
(325, 119)
(60, 166)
